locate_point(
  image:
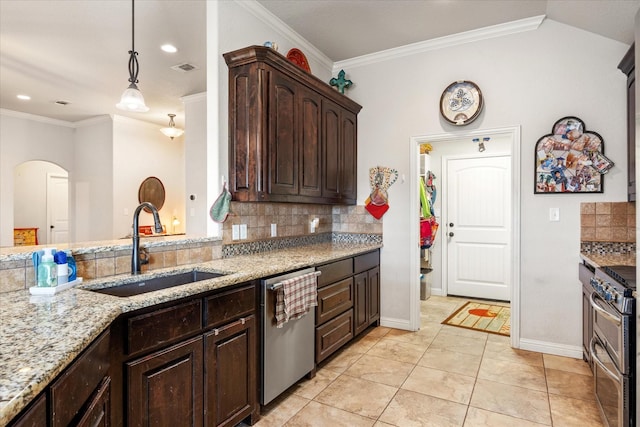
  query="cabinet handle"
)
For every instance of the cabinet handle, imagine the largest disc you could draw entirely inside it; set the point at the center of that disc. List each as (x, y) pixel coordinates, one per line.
(243, 320)
(216, 332)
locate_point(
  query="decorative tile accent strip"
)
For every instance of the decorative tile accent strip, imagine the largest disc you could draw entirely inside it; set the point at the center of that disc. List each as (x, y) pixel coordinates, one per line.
(605, 248)
(356, 238)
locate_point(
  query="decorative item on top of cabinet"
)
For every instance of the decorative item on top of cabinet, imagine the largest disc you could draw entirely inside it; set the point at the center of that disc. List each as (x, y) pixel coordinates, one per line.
(628, 66)
(341, 83)
(292, 138)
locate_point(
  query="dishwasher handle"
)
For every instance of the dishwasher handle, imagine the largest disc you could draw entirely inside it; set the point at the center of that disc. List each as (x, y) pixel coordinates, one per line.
(279, 284)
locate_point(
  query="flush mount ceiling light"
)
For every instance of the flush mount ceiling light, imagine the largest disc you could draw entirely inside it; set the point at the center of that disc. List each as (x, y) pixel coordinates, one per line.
(169, 48)
(23, 97)
(172, 131)
(132, 99)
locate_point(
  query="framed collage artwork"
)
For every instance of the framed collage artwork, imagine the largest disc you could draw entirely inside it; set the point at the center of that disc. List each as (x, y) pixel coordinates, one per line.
(570, 159)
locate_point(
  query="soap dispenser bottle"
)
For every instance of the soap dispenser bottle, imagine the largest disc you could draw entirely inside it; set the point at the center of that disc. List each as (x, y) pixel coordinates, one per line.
(47, 270)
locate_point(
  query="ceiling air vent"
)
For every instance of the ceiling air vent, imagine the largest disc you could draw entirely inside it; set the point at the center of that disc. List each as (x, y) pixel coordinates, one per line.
(184, 67)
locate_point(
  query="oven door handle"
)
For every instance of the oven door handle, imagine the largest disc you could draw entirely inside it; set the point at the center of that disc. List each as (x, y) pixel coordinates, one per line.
(597, 307)
(600, 363)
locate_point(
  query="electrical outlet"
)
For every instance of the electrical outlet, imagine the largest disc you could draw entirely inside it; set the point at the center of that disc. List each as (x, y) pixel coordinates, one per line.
(274, 230)
(243, 231)
(235, 232)
(554, 214)
(125, 212)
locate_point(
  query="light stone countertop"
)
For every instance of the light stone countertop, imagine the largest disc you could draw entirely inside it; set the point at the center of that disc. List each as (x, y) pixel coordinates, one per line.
(600, 260)
(41, 336)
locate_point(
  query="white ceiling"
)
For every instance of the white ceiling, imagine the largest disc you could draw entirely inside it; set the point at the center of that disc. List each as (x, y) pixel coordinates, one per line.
(76, 51)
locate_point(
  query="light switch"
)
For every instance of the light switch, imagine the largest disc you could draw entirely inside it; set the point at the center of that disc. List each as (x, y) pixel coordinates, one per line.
(235, 232)
(554, 214)
(243, 231)
(274, 230)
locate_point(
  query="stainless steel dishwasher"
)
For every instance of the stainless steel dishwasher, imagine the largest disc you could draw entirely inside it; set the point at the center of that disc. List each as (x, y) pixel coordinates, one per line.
(287, 353)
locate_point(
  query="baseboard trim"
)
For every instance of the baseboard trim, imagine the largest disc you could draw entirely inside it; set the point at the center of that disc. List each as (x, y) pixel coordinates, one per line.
(551, 348)
(403, 324)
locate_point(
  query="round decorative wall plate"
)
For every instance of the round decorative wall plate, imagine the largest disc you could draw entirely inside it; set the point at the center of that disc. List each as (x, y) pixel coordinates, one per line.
(461, 102)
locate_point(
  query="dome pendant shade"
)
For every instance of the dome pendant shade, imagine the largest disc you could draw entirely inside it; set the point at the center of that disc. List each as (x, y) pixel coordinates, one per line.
(172, 131)
(132, 99)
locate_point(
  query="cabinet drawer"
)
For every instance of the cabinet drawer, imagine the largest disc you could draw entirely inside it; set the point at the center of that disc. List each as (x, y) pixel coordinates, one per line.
(35, 416)
(159, 327)
(334, 299)
(335, 271)
(230, 305)
(70, 392)
(365, 262)
(333, 335)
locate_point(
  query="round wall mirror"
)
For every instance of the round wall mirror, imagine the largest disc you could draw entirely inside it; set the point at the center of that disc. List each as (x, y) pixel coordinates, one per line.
(152, 191)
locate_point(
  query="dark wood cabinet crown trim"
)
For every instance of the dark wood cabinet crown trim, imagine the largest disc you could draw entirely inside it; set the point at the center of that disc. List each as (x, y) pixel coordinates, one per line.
(627, 66)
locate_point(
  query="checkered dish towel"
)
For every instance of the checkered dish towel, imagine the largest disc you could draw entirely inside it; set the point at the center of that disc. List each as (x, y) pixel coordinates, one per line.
(296, 297)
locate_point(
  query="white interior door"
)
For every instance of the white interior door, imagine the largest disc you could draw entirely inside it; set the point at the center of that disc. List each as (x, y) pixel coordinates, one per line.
(57, 208)
(478, 227)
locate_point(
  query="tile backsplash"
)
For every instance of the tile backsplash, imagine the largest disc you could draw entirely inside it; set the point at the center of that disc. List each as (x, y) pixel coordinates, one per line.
(608, 222)
(293, 220)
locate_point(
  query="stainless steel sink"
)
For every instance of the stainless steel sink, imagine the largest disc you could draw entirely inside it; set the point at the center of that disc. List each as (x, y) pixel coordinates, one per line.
(157, 283)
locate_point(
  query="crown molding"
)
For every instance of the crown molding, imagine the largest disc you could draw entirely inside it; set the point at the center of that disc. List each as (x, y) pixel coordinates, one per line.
(277, 24)
(104, 118)
(193, 98)
(499, 30)
(35, 118)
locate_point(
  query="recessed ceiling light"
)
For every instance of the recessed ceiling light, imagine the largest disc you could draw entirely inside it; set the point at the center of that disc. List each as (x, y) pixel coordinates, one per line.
(24, 97)
(169, 48)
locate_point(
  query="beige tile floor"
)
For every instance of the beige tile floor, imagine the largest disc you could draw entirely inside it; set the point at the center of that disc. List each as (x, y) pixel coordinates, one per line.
(439, 376)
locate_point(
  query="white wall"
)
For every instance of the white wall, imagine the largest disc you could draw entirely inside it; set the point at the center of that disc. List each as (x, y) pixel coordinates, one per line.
(140, 150)
(23, 139)
(529, 79)
(93, 184)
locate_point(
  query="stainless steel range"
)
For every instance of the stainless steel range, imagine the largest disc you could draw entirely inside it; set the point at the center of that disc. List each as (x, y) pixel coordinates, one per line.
(612, 346)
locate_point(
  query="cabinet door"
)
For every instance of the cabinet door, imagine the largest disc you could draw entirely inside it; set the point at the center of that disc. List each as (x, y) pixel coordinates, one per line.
(330, 150)
(310, 164)
(165, 387)
(230, 373)
(349, 157)
(373, 301)
(97, 413)
(283, 136)
(361, 315)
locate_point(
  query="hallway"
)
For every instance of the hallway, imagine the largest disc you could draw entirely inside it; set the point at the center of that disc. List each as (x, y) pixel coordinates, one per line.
(439, 376)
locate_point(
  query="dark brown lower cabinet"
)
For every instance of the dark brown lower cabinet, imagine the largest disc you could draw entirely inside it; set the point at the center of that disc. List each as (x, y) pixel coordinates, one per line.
(206, 379)
(367, 287)
(230, 377)
(165, 387)
(348, 301)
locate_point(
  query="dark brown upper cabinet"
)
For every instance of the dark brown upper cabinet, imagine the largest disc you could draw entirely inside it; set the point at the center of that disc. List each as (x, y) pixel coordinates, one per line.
(628, 67)
(292, 138)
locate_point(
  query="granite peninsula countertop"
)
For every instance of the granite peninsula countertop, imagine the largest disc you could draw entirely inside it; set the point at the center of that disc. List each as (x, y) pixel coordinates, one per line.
(41, 336)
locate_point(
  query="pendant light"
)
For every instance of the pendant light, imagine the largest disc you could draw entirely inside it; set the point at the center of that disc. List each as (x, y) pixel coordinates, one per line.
(132, 99)
(172, 131)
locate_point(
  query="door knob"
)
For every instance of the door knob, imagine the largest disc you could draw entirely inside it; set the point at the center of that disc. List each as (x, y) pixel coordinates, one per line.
(451, 234)
(450, 224)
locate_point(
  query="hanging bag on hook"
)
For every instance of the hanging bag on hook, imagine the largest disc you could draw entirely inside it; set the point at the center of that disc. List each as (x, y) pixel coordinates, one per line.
(220, 209)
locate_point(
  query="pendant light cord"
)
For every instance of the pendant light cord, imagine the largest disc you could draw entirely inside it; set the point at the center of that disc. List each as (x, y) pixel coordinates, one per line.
(133, 60)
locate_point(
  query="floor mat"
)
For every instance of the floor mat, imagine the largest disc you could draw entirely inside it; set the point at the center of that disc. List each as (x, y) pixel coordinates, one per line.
(492, 318)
